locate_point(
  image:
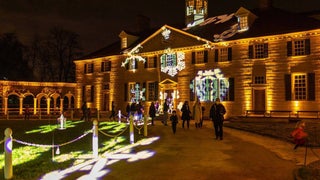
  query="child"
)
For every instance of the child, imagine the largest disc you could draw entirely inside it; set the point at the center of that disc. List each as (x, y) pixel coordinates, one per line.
(299, 135)
(174, 121)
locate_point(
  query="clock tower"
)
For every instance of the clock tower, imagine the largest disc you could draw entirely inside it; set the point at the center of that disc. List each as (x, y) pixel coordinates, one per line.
(196, 12)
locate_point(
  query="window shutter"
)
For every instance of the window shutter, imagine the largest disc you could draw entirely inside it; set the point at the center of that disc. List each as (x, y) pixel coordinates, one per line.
(102, 67)
(205, 56)
(229, 54)
(109, 62)
(289, 48)
(85, 69)
(250, 52)
(84, 93)
(92, 93)
(125, 92)
(192, 89)
(193, 57)
(136, 64)
(156, 90)
(155, 61)
(92, 68)
(265, 49)
(231, 89)
(311, 87)
(216, 55)
(287, 86)
(307, 46)
(146, 63)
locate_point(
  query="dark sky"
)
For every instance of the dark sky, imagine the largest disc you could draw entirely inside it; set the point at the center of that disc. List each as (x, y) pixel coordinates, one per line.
(99, 22)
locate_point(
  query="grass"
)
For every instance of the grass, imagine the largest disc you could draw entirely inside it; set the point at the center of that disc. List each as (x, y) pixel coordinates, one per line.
(32, 160)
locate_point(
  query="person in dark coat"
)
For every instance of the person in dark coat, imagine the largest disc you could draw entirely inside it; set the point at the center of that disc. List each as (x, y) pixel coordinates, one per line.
(165, 112)
(85, 112)
(185, 114)
(113, 111)
(217, 112)
(174, 121)
(152, 112)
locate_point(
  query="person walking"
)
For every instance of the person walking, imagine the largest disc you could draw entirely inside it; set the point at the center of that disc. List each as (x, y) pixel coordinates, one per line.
(185, 114)
(113, 111)
(174, 121)
(197, 113)
(152, 112)
(165, 112)
(217, 112)
(84, 109)
(299, 135)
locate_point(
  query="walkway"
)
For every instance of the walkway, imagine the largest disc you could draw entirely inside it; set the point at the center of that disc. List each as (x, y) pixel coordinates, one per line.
(195, 154)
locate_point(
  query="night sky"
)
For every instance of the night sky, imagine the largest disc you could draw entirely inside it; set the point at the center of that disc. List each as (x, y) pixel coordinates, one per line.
(99, 22)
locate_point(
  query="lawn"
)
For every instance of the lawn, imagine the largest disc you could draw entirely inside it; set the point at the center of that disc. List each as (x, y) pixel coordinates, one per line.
(33, 156)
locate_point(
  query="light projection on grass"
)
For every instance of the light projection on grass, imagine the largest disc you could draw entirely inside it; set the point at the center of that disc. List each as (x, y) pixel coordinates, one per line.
(132, 57)
(210, 84)
(137, 94)
(97, 168)
(172, 62)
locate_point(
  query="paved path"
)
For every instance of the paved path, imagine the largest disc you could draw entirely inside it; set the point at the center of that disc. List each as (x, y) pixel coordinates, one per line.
(195, 154)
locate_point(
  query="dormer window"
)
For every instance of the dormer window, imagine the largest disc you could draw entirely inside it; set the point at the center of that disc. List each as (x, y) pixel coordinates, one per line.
(243, 23)
(124, 42)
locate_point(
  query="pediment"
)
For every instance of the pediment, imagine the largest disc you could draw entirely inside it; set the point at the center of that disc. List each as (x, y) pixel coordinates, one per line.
(169, 37)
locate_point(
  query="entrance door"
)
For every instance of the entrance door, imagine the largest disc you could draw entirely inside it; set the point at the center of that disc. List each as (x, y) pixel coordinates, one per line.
(259, 99)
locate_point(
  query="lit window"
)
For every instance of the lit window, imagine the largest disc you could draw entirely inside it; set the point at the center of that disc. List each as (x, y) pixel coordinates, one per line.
(151, 62)
(88, 68)
(243, 23)
(124, 42)
(223, 54)
(257, 51)
(298, 47)
(133, 64)
(299, 87)
(105, 66)
(199, 57)
(224, 89)
(259, 80)
(152, 93)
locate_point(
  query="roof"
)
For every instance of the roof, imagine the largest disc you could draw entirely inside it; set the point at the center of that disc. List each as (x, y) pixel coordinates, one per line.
(269, 21)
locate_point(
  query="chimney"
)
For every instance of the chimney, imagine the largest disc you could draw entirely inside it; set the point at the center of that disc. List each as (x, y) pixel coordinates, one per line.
(265, 4)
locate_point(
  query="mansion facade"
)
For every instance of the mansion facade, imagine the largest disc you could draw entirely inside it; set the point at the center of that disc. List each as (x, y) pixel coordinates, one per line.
(262, 60)
(259, 60)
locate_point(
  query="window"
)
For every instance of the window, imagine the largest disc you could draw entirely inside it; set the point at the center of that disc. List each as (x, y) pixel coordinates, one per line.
(106, 66)
(223, 54)
(151, 62)
(298, 47)
(88, 68)
(243, 23)
(199, 57)
(258, 51)
(124, 43)
(152, 91)
(300, 86)
(89, 93)
(132, 64)
(208, 88)
(259, 80)
(106, 86)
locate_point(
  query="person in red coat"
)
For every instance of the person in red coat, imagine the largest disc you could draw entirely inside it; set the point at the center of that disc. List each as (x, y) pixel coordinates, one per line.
(299, 135)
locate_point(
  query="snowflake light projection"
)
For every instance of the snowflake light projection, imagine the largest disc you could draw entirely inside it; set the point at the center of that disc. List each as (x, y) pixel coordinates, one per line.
(132, 56)
(137, 94)
(172, 62)
(166, 33)
(209, 84)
